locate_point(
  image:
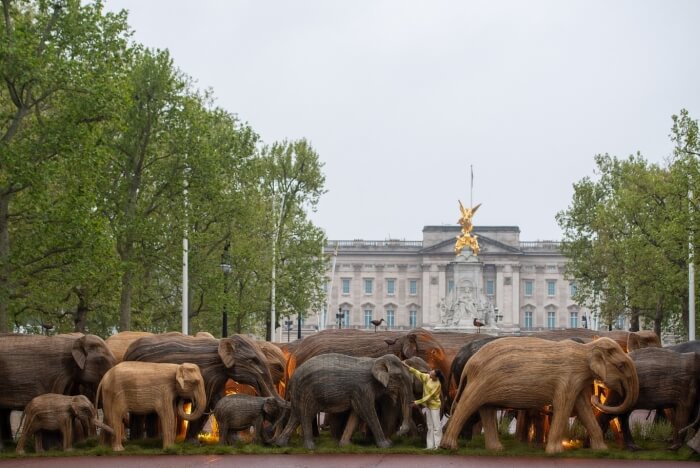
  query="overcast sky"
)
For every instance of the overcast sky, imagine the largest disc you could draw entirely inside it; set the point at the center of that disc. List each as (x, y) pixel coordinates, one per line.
(399, 98)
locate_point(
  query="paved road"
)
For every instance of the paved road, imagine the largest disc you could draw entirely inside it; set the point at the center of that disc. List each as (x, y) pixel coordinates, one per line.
(324, 461)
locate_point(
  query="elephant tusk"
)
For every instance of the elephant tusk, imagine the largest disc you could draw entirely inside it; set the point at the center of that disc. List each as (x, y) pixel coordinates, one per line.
(103, 426)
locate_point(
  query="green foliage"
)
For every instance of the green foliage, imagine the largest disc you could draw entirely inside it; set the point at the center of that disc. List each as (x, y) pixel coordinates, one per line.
(109, 158)
(626, 236)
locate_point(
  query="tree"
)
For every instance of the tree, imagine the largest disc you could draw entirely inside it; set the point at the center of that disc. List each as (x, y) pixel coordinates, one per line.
(292, 181)
(59, 62)
(143, 200)
(684, 134)
(624, 237)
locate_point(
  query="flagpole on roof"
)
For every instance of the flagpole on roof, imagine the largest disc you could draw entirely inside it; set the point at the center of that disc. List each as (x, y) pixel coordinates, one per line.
(471, 186)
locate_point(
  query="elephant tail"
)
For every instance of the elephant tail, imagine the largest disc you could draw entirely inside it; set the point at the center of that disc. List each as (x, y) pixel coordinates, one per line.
(97, 395)
(686, 428)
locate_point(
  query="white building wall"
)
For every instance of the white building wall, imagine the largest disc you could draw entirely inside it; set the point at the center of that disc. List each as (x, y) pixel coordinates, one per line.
(507, 261)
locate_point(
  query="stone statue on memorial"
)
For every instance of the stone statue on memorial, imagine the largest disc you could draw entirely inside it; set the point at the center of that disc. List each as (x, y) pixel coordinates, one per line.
(467, 239)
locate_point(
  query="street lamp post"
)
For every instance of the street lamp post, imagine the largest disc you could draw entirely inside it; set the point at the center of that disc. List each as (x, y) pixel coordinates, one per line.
(340, 316)
(288, 323)
(226, 269)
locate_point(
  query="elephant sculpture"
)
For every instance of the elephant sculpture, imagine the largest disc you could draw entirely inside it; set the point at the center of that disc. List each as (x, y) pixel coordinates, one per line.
(531, 373)
(56, 412)
(147, 387)
(120, 342)
(667, 380)
(32, 365)
(334, 383)
(359, 343)
(389, 412)
(239, 412)
(237, 358)
(686, 347)
(276, 362)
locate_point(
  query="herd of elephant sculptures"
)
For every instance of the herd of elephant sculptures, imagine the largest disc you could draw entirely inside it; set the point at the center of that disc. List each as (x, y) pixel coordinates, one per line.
(354, 378)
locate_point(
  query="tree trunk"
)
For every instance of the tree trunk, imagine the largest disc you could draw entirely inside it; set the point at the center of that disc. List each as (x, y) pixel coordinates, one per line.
(81, 310)
(4, 261)
(658, 318)
(634, 320)
(125, 301)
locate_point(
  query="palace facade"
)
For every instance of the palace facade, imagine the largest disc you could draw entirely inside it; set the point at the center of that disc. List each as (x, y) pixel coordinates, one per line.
(408, 283)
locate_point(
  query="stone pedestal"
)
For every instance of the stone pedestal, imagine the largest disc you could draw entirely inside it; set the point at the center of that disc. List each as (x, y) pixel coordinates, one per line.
(467, 302)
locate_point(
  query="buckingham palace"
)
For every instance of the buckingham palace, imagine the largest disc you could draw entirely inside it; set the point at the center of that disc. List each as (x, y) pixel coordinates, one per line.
(515, 286)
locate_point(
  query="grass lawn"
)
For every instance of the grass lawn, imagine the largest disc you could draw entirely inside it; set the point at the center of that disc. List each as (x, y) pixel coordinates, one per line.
(652, 441)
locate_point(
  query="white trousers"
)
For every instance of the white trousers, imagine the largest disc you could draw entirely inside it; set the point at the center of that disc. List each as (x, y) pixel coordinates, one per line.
(434, 435)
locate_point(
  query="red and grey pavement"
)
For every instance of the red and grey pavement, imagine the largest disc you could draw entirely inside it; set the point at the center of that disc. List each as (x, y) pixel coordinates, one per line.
(324, 461)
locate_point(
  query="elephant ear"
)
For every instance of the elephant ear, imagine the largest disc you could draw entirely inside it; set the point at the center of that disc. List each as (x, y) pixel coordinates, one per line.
(597, 363)
(227, 352)
(75, 407)
(180, 377)
(410, 346)
(79, 352)
(270, 406)
(380, 371)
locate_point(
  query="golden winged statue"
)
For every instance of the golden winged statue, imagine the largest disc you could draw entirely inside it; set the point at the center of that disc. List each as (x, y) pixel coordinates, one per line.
(466, 239)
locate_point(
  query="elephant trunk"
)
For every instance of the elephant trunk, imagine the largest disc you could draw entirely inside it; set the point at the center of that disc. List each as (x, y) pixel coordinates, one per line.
(103, 426)
(405, 400)
(630, 387)
(199, 403)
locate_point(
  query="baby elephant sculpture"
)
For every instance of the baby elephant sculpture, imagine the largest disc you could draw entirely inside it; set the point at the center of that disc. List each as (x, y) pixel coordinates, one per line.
(55, 412)
(238, 412)
(148, 387)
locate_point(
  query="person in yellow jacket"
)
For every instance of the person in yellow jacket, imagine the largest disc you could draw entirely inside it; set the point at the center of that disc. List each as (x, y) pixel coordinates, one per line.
(431, 400)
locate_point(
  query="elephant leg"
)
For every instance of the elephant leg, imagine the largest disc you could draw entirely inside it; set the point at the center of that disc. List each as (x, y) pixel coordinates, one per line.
(137, 426)
(283, 438)
(366, 411)
(462, 410)
(5, 427)
(39, 441)
(522, 427)
(194, 428)
(561, 410)
(22, 442)
(223, 432)
(679, 421)
(627, 433)
(167, 424)
(67, 433)
(117, 425)
(488, 420)
(307, 430)
(350, 427)
(336, 423)
(587, 418)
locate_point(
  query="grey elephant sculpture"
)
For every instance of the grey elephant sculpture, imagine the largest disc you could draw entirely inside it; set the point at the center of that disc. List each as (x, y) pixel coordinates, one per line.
(667, 380)
(239, 412)
(32, 365)
(55, 412)
(342, 425)
(531, 373)
(334, 383)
